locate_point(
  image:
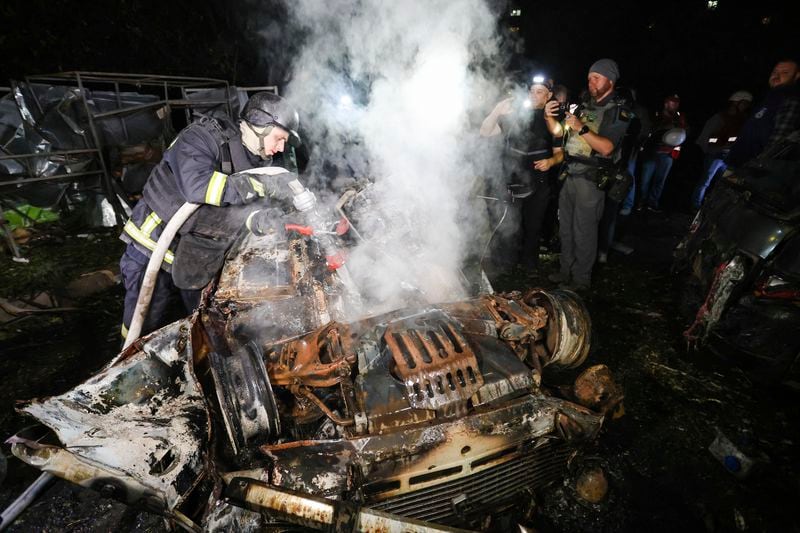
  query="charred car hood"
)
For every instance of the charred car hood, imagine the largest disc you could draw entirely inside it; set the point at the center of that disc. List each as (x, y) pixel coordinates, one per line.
(434, 412)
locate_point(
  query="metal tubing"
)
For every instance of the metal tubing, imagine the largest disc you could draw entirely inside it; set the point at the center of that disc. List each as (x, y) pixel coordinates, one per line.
(321, 513)
(24, 181)
(111, 195)
(24, 500)
(140, 107)
(50, 154)
(137, 79)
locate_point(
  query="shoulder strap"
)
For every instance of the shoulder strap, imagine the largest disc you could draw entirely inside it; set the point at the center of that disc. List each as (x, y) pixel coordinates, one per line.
(222, 135)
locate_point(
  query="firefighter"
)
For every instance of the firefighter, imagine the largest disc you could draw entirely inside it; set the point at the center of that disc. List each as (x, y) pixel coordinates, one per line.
(207, 164)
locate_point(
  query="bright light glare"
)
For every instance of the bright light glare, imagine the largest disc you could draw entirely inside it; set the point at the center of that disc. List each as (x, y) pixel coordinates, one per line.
(345, 101)
(434, 95)
(538, 79)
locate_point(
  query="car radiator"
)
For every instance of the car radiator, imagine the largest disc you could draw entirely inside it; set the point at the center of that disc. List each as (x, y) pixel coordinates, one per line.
(498, 480)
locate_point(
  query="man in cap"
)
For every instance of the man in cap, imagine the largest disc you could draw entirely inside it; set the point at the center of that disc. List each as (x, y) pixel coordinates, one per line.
(595, 130)
(532, 146)
(718, 135)
(206, 164)
(775, 117)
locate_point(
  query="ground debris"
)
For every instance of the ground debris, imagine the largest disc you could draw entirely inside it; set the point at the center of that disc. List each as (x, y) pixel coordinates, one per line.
(660, 474)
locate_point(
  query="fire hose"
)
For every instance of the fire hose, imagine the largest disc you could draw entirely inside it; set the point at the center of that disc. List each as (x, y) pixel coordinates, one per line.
(151, 274)
(24, 500)
(153, 266)
(335, 259)
(497, 227)
(139, 314)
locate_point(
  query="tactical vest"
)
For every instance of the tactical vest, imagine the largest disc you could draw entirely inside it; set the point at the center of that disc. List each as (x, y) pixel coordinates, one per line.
(581, 158)
(527, 140)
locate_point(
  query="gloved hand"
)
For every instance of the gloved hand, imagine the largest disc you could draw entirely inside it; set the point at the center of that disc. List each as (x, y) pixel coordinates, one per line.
(247, 187)
(266, 221)
(276, 184)
(304, 201)
(257, 183)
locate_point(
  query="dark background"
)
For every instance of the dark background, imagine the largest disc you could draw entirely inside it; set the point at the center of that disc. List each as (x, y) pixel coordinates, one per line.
(662, 47)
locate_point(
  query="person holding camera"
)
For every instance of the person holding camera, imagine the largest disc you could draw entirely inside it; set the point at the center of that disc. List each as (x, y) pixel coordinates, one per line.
(594, 132)
(532, 147)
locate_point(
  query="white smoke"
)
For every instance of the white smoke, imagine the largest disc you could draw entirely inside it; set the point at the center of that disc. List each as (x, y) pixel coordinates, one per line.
(401, 79)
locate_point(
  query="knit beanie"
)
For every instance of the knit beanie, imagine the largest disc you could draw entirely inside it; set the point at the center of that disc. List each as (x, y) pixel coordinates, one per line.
(606, 67)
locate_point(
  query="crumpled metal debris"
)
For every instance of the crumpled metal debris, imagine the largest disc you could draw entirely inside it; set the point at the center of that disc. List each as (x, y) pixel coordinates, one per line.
(430, 413)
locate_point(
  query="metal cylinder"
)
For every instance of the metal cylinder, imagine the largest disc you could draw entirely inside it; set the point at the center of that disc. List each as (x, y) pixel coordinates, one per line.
(569, 327)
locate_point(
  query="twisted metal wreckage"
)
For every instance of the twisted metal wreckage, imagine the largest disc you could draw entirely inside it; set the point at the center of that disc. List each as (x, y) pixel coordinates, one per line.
(268, 406)
(740, 263)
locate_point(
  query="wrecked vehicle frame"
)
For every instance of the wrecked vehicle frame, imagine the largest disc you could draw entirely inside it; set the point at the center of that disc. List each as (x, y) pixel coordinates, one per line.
(740, 261)
(273, 405)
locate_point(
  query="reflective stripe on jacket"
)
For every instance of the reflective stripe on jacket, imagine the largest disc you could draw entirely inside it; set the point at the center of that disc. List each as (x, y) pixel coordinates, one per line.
(195, 168)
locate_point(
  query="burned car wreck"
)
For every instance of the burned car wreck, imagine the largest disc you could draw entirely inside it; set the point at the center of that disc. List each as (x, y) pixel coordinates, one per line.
(741, 263)
(273, 407)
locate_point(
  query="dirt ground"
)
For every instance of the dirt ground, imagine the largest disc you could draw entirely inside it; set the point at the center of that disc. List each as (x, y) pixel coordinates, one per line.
(661, 474)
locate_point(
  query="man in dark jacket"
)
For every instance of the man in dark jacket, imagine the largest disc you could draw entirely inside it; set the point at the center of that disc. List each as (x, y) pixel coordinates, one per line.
(206, 164)
(717, 138)
(776, 117)
(533, 142)
(660, 151)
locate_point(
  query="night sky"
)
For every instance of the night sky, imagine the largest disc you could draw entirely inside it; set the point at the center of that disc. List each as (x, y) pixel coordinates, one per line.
(661, 47)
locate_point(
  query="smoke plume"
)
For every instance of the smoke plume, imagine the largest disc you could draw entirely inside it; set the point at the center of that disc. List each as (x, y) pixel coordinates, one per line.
(395, 91)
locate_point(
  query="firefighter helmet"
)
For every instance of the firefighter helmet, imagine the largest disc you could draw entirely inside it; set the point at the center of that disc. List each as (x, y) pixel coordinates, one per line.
(267, 109)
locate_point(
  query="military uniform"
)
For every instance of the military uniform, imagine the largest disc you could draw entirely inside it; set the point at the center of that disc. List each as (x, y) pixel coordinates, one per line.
(580, 203)
(199, 167)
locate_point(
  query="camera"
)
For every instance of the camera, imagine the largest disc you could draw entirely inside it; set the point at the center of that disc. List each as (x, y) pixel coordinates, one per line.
(561, 112)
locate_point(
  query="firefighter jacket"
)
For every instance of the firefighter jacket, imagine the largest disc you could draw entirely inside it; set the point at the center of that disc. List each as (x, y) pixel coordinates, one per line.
(610, 119)
(199, 167)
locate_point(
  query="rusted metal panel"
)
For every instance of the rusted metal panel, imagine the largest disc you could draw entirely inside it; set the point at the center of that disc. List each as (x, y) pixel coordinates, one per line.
(435, 362)
(434, 404)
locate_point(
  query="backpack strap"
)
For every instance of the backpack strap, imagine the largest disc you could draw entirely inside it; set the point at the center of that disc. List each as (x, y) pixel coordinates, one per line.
(222, 135)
